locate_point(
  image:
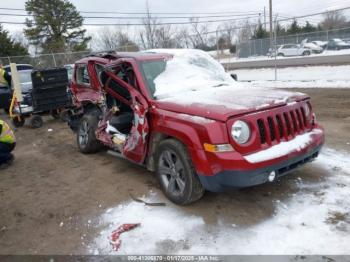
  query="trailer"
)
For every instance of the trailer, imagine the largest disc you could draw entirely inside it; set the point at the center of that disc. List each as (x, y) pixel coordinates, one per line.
(49, 95)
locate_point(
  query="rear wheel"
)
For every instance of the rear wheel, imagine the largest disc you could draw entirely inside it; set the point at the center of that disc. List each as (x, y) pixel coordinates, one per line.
(18, 121)
(280, 54)
(64, 115)
(55, 114)
(36, 121)
(176, 174)
(86, 138)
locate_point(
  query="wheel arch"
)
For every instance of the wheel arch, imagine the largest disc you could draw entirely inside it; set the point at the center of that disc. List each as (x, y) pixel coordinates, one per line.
(157, 138)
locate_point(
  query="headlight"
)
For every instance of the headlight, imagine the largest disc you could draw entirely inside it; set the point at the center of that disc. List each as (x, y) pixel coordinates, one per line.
(240, 132)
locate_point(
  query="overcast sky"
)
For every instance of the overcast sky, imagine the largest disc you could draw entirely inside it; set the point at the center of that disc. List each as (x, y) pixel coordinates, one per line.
(282, 7)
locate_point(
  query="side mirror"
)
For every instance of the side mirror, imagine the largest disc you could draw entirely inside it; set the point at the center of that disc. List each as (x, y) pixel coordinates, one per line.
(234, 76)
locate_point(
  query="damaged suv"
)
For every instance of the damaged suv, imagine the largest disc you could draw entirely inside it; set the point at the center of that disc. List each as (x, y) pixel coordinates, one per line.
(178, 113)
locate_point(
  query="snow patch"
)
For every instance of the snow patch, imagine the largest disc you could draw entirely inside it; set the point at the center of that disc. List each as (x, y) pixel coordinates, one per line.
(303, 224)
(297, 77)
(189, 69)
(283, 148)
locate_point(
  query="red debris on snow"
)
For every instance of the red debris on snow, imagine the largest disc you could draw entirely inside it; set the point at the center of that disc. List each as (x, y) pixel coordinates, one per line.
(114, 238)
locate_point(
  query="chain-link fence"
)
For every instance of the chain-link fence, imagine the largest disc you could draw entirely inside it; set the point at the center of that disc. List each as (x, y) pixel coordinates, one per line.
(46, 60)
(41, 61)
(260, 47)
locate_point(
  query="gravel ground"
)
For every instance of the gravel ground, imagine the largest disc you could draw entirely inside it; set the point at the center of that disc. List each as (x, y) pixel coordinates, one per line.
(54, 200)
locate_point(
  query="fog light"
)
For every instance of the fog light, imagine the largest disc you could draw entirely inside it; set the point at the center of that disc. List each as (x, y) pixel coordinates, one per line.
(272, 176)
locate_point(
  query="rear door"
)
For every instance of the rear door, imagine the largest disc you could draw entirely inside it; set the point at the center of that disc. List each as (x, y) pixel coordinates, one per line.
(135, 147)
(85, 87)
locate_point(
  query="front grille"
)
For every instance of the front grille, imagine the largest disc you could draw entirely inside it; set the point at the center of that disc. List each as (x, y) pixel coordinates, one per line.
(283, 126)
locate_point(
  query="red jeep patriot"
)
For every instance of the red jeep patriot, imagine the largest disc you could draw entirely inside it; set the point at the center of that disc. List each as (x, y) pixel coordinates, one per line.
(179, 114)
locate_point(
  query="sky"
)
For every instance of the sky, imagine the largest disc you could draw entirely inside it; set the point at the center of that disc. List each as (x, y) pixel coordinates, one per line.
(284, 9)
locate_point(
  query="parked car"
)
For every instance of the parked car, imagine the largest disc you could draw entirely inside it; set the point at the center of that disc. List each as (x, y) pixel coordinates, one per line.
(6, 93)
(293, 50)
(272, 51)
(26, 86)
(337, 44)
(178, 113)
(322, 44)
(316, 49)
(20, 67)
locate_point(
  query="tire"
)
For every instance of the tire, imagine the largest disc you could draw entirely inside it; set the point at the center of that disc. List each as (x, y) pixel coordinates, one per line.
(86, 138)
(64, 116)
(306, 53)
(18, 122)
(176, 174)
(55, 114)
(280, 54)
(36, 121)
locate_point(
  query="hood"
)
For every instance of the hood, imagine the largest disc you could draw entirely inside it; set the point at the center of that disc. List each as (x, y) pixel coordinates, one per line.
(312, 46)
(221, 103)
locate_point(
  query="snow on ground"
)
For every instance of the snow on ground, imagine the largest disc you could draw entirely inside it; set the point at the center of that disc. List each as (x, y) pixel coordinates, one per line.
(234, 59)
(301, 73)
(305, 223)
(294, 77)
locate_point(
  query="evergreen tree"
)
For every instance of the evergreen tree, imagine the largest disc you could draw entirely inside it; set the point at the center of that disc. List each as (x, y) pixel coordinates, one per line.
(8, 47)
(294, 28)
(308, 28)
(260, 32)
(56, 26)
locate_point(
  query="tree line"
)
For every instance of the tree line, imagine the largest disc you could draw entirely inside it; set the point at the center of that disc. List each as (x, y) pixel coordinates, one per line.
(56, 26)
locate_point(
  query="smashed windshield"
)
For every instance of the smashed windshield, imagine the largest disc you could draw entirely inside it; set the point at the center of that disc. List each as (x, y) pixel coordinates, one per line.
(188, 70)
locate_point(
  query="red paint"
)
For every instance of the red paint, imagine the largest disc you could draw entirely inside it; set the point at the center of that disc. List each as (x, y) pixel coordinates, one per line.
(160, 117)
(114, 238)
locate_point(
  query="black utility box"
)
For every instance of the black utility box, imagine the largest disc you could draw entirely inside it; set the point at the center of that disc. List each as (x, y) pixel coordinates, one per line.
(50, 89)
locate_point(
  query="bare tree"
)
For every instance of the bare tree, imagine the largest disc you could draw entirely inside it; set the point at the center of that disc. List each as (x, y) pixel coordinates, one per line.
(114, 39)
(148, 35)
(245, 32)
(183, 38)
(333, 20)
(230, 31)
(164, 37)
(200, 37)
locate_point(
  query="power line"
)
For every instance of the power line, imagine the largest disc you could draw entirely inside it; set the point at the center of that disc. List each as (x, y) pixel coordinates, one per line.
(138, 17)
(142, 24)
(208, 21)
(278, 20)
(145, 13)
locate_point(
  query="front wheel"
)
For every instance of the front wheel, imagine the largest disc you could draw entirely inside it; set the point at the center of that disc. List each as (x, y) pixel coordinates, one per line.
(176, 174)
(86, 138)
(306, 53)
(18, 121)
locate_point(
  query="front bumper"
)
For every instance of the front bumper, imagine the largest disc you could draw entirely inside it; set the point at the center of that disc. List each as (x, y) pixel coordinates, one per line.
(231, 179)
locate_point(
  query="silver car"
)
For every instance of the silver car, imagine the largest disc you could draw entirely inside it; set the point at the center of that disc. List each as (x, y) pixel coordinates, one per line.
(293, 50)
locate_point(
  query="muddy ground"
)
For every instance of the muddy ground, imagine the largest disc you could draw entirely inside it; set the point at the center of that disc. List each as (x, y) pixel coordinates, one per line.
(51, 197)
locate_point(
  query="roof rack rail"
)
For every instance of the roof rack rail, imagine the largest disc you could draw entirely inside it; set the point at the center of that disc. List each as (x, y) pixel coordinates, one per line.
(111, 54)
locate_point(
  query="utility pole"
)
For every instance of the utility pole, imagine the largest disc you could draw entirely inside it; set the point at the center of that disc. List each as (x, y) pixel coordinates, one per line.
(271, 26)
(265, 25)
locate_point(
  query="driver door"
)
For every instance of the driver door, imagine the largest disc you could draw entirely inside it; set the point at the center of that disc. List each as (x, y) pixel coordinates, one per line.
(135, 147)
